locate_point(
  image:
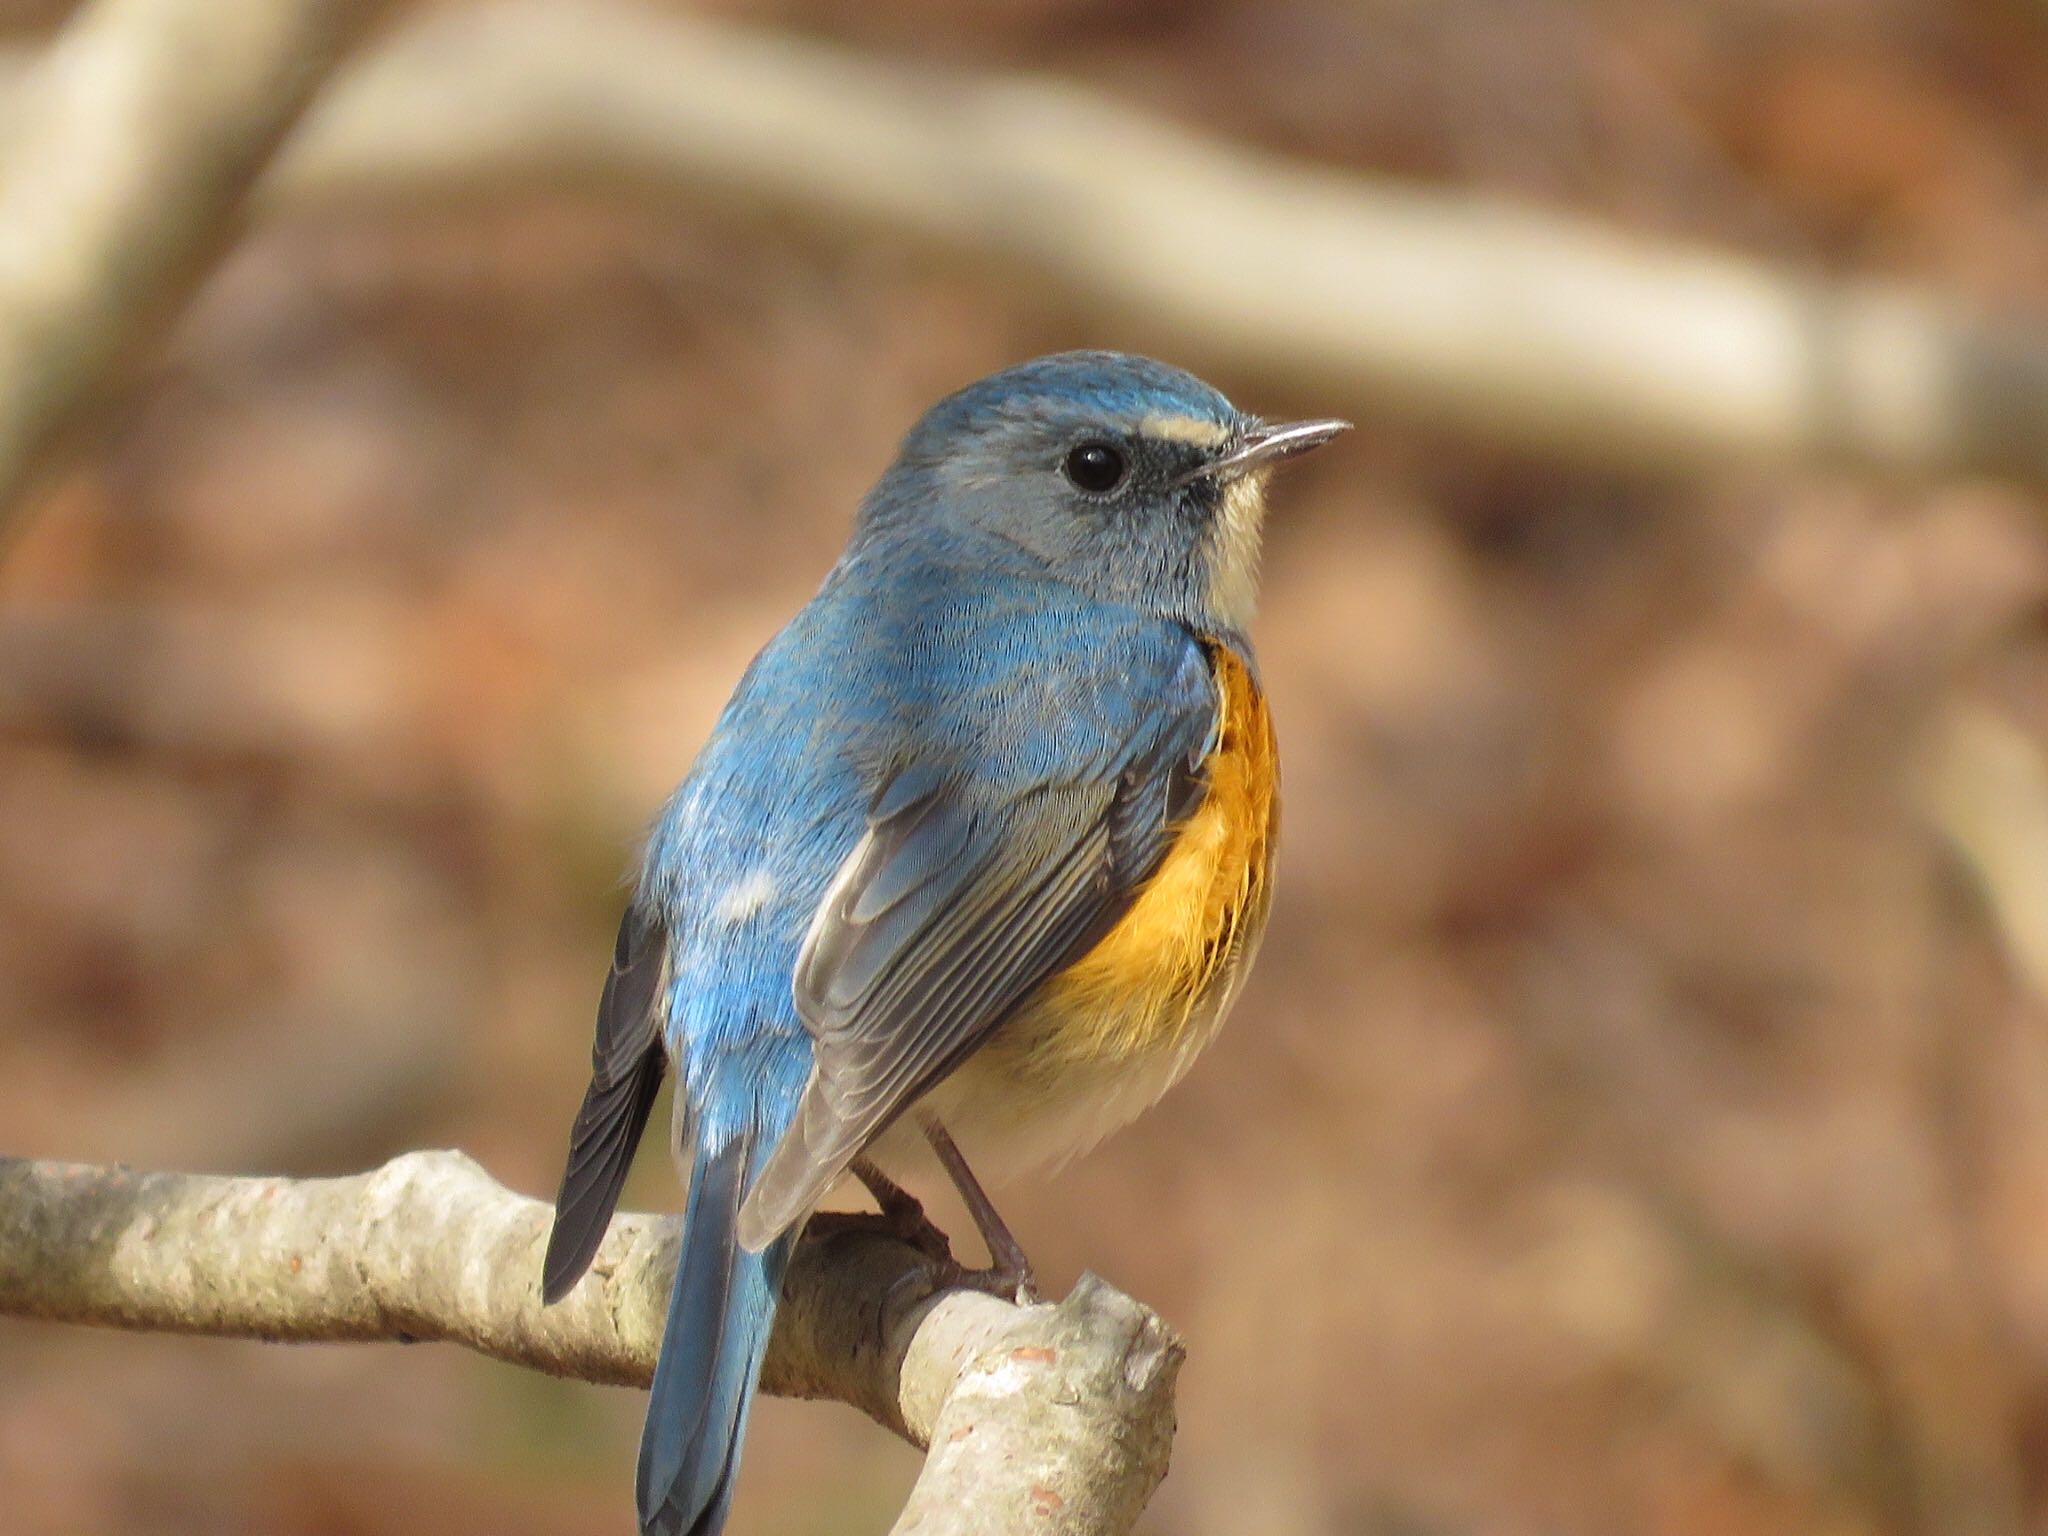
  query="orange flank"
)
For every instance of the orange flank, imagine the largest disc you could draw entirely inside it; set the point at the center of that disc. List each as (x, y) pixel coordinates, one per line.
(1152, 978)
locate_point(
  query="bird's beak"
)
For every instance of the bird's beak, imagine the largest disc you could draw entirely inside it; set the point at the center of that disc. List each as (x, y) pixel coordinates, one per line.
(1266, 443)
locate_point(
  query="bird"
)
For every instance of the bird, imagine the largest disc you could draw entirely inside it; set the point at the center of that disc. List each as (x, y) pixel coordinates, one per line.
(973, 861)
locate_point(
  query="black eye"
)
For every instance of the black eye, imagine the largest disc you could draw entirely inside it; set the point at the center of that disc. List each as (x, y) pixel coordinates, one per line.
(1096, 468)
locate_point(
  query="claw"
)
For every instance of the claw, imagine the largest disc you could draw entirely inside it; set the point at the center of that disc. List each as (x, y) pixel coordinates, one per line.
(902, 1216)
(1018, 1285)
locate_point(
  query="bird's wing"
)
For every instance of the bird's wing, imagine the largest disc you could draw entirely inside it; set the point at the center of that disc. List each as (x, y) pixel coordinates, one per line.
(626, 1065)
(959, 899)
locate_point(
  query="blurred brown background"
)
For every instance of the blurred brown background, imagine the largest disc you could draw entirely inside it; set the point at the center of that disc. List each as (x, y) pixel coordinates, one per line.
(1639, 1119)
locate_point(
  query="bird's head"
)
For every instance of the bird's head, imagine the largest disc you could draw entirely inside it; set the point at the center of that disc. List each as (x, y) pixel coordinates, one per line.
(1121, 476)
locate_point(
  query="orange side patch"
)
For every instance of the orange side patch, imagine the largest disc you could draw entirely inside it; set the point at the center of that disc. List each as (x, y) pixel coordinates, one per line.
(1136, 990)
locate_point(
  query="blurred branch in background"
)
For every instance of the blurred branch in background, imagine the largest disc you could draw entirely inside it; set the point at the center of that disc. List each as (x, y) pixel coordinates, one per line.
(146, 122)
(128, 150)
(1986, 788)
(1502, 320)
(1051, 1419)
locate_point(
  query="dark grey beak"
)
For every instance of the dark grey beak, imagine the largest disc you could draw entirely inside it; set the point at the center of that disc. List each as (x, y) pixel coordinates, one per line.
(1266, 443)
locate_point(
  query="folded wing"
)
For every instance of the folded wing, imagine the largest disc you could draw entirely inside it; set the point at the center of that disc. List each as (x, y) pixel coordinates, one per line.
(964, 895)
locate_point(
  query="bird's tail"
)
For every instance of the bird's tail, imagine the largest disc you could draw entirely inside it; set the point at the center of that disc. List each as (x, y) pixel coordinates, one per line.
(719, 1317)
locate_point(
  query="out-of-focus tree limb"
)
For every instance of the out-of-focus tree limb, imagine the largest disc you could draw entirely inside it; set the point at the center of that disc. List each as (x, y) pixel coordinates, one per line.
(124, 154)
(1504, 320)
(1985, 786)
(1043, 1419)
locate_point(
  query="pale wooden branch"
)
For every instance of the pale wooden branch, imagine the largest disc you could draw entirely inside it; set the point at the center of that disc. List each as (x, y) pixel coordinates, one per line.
(1043, 1419)
(128, 148)
(1984, 785)
(1501, 319)
(131, 146)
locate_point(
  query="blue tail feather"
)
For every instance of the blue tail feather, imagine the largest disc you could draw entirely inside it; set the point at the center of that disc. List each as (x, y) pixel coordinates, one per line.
(720, 1313)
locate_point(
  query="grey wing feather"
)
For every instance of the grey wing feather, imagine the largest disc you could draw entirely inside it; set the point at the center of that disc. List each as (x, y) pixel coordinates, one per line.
(627, 1061)
(945, 917)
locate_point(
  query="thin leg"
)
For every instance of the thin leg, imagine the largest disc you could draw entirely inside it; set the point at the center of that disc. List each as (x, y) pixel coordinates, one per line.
(904, 1213)
(1010, 1266)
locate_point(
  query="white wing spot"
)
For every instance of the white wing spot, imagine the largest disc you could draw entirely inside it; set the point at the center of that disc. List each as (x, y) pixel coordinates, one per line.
(746, 898)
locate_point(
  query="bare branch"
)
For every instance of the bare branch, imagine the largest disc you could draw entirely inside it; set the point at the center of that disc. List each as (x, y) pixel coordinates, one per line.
(128, 148)
(1048, 1419)
(1504, 320)
(1984, 785)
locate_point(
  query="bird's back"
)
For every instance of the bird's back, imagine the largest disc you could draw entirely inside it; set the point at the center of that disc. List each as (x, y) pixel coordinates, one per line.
(1001, 680)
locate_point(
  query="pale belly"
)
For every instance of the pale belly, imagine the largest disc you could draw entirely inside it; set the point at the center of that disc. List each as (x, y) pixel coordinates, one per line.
(1024, 1103)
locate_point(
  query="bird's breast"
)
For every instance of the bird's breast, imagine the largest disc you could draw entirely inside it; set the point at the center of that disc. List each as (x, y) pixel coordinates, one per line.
(1100, 1042)
(1143, 983)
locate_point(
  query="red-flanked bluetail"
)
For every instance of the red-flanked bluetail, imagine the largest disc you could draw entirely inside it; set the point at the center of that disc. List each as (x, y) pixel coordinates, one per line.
(972, 865)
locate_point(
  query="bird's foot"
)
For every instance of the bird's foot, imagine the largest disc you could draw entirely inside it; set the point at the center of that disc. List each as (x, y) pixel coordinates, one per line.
(1008, 1273)
(1012, 1281)
(827, 1225)
(903, 1215)
(938, 1270)
(909, 1224)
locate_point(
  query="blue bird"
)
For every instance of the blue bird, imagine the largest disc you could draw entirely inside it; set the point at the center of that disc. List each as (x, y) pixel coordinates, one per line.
(975, 859)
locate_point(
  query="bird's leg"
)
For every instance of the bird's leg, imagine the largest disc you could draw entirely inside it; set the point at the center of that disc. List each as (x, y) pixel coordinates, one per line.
(904, 1215)
(1010, 1270)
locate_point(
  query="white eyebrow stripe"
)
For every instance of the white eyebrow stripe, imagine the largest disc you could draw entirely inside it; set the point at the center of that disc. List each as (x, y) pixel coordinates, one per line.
(1184, 429)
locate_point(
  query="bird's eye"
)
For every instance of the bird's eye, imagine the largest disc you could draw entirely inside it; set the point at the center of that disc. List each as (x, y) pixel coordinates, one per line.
(1096, 468)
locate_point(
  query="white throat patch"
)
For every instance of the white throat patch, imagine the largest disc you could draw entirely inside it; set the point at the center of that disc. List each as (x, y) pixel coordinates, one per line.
(1234, 549)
